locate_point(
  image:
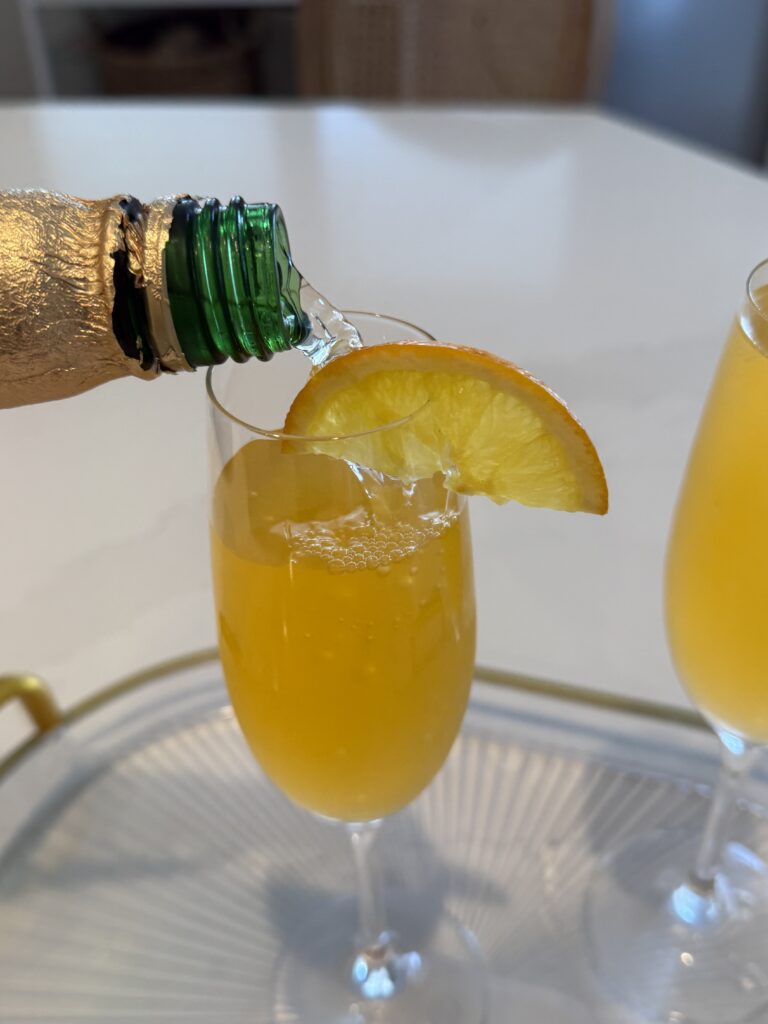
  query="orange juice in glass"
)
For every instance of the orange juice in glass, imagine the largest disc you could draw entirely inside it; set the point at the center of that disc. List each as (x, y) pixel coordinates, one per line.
(346, 626)
(717, 565)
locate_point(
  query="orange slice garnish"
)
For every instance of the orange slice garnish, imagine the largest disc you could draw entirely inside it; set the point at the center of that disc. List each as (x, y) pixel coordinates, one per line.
(488, 425)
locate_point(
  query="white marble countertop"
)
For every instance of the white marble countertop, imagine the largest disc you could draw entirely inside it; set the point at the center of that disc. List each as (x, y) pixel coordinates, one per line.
(606, 260)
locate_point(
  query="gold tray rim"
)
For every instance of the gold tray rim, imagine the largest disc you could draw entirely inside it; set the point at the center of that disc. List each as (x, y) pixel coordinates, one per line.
(503, 678)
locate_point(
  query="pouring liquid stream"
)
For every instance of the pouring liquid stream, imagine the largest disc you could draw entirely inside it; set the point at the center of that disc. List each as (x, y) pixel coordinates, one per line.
(331, 334)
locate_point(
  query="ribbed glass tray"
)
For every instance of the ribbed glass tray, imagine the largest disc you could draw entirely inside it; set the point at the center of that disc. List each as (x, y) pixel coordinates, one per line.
(149, 872)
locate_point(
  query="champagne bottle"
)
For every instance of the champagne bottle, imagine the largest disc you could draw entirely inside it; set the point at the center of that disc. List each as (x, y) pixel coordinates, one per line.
(92, 290)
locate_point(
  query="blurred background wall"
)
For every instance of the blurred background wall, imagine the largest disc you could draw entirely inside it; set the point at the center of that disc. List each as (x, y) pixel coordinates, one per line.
(696, 68)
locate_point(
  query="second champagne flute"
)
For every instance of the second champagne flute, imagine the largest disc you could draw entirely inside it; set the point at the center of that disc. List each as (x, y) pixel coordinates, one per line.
(679, 919)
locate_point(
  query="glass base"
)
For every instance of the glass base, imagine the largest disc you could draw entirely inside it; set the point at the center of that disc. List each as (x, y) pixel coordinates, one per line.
(422, 972)
(675, 950)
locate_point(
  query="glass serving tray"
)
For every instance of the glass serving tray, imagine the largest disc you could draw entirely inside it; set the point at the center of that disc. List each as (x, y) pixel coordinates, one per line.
(149, 872)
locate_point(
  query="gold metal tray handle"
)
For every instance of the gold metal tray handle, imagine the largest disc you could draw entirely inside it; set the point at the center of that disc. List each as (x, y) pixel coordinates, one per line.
(35, 696)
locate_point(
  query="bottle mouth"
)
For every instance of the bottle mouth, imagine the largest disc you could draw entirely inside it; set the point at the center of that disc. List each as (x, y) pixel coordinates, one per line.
(293, 322)
(233, 289)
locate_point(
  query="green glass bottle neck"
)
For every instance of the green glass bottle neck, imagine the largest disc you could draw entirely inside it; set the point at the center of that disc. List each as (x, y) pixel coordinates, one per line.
(232, 286)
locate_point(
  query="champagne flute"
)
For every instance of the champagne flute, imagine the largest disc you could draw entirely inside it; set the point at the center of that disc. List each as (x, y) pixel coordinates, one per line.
(679, 922)
(346, 622)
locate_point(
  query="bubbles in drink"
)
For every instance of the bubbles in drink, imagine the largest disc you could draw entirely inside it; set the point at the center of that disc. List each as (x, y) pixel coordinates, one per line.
(362, 541)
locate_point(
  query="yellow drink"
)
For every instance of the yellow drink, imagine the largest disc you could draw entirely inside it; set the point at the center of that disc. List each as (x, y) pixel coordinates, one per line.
(346, 626)
(717, 566)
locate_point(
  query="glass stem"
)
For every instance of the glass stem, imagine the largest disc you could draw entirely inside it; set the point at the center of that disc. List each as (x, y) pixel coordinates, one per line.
(737, 757)
(370, 902)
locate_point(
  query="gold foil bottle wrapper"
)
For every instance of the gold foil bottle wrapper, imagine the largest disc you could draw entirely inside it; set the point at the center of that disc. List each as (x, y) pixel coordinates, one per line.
(57, 292)
(148, 267)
